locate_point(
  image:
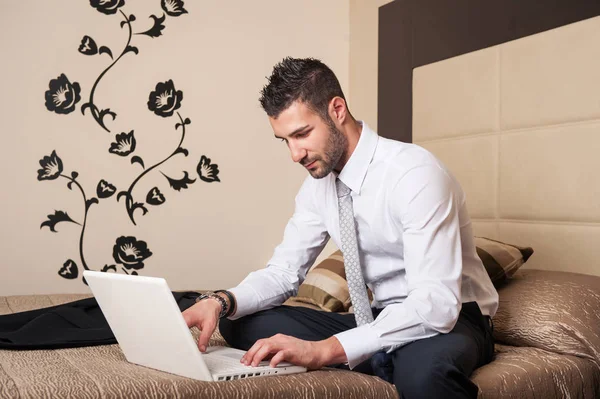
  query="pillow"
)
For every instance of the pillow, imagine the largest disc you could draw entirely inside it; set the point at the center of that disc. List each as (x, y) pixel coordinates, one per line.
(551, 310)
(501, 260)
(325, 286)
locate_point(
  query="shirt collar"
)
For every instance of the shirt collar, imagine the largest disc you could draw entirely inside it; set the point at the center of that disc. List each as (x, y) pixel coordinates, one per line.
(354, 172)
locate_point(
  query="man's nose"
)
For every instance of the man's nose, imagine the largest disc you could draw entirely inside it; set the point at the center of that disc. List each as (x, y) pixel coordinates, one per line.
(297, 153)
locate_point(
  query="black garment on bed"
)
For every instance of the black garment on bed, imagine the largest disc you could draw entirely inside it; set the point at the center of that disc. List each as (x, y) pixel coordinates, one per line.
(70, 325)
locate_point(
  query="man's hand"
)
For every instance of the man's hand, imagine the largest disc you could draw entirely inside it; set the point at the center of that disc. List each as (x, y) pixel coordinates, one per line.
(311, 354)
(204, 315)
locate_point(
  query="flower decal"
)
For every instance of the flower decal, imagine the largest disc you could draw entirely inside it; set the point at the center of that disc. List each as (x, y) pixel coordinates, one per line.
(124, 145)
(105, 189)
(155, 197)
(69, 270)
(165, 99)
(52, 167)
(62, 96)
(173, 7)
(208, 172)
(107, 7)
(88, 46)
(130, 252)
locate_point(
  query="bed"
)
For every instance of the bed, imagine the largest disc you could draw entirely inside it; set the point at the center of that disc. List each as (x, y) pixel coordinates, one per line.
(523, 144)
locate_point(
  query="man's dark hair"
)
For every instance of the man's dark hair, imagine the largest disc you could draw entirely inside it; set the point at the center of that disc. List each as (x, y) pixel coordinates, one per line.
(305, 79)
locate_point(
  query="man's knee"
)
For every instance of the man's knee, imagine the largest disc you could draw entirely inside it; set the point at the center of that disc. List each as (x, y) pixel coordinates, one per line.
(435, 377)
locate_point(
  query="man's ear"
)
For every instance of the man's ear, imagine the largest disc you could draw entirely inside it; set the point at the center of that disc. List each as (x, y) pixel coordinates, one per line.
(338, 110)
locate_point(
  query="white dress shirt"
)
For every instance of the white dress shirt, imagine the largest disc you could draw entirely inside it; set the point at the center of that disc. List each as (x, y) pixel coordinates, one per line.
(415, 241)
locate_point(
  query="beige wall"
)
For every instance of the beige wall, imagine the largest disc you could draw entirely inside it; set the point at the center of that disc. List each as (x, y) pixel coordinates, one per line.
(211, 234)
(364, 25)
(519, 125)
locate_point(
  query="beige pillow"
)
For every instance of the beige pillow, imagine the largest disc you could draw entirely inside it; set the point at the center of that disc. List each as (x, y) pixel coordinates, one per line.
(551, 310)
(325, 286)
(501, 260)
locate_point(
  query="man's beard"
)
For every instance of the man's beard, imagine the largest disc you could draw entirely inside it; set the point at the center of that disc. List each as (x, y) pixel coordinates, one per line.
(336, 147)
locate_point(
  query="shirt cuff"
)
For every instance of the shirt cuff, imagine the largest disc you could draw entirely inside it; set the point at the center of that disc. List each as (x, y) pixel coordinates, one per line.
(246, 301)
(359, 343)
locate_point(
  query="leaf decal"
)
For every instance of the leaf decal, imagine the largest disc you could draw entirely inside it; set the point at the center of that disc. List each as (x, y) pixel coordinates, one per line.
(59, 216)
(105, 50)
(155, 197)
(181, 150)
(181, 183)
(69, 270)
(137, 159)
(139, 205)
(132, 49)
(89, 202)
(122, 193)
(156, 29)
(111, 267)
(86, 106)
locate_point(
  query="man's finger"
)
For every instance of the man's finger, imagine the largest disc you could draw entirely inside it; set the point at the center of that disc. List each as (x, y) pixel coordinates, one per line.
(278, 358)
(205, 334)
(263, 352)
(247, 358)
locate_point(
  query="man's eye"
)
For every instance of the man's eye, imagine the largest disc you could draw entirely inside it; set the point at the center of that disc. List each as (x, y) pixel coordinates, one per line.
(283, 140)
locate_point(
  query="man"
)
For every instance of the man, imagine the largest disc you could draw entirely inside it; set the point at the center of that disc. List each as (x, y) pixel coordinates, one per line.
(399, 217)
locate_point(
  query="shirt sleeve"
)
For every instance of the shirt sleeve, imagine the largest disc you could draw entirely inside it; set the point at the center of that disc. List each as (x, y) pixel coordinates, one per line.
(304, 238)
(426, 211)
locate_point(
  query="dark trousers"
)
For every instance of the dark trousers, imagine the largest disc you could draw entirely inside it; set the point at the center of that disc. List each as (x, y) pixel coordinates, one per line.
(437, 367)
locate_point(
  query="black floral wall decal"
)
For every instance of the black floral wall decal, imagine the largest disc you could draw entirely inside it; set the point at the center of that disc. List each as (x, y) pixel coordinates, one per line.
(208, 172)
(181, 183)
(156, 29)
(130, 252)
(57, 217)
(107, 7)
(105, 189)
(69, 270)
(164, 100)
(155, 197)
(52, 169)
(124, 144)
(173, 7)
(89, 47)
(62, 95)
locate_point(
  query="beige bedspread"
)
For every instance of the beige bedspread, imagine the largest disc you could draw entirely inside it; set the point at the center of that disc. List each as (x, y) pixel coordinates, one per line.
(103, 372)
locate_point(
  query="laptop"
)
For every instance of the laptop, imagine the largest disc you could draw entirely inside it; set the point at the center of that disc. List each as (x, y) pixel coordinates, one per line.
(151, 331)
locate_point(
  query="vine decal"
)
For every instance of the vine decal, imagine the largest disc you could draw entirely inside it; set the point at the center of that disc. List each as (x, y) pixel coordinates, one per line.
(62, 97)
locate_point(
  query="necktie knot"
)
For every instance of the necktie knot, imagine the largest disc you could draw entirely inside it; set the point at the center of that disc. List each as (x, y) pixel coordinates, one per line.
(342, 189)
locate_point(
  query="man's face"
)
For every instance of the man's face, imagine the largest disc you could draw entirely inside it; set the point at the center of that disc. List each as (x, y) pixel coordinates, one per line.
(318, 146)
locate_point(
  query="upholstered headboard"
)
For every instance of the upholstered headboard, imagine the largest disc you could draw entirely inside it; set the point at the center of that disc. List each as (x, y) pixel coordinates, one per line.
(518, 123)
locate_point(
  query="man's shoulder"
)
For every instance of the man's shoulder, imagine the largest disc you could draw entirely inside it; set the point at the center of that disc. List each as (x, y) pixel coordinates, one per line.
(401, 156)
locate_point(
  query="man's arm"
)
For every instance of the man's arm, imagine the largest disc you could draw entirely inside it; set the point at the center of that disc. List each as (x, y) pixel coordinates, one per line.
(304, 238)
(426, 210)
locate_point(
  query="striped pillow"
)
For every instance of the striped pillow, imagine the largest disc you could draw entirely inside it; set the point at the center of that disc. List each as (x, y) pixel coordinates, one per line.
(501, 260)
(325, 286)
